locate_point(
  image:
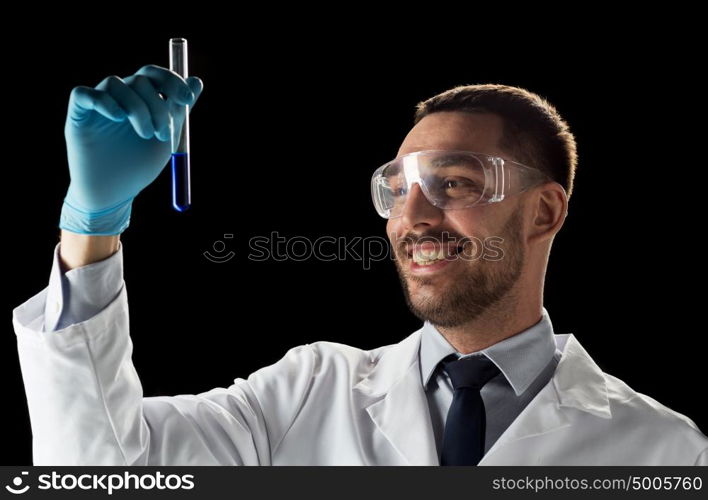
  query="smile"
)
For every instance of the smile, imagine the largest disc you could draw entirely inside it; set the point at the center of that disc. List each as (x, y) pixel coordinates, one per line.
(430, 257)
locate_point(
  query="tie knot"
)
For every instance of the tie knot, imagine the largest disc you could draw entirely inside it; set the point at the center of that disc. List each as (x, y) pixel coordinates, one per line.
(472, 371)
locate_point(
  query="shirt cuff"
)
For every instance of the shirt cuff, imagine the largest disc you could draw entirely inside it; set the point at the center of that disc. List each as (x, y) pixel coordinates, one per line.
(81, 293)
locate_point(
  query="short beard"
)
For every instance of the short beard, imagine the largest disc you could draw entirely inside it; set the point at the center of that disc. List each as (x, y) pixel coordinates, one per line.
(477, 288)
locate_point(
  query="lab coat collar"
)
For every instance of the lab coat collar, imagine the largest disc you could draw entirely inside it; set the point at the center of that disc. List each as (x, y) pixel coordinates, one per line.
(394, 398)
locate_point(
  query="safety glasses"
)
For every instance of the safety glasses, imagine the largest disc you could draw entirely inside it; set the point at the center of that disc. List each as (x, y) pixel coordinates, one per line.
(449, 179)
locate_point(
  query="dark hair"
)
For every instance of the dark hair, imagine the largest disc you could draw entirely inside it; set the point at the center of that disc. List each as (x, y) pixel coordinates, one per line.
(534, 133)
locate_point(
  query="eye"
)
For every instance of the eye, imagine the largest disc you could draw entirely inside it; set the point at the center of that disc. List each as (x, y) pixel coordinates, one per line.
(457, 187)
(396, 191)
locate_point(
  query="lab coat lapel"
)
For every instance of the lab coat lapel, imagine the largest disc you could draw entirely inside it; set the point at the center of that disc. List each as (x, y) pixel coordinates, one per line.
(394, 398)
(577, 383)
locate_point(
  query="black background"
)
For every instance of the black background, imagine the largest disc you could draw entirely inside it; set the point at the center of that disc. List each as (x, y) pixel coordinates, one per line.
(283, 105)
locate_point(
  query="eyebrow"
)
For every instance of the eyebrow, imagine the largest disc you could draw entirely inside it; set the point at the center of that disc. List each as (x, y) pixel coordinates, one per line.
(451, 160)
(444, 161)
(393, 168)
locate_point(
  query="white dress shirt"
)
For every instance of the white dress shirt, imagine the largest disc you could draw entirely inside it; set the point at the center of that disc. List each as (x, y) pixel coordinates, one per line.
(526, 360)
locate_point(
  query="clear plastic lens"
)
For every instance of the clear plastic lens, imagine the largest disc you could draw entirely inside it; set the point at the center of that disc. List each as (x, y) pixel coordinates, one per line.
(448, 180)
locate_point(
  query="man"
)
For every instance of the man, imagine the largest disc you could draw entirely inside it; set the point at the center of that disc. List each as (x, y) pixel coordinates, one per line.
(478, 190)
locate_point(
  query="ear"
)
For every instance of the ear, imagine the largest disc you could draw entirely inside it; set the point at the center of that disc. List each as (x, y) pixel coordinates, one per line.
(549, 208)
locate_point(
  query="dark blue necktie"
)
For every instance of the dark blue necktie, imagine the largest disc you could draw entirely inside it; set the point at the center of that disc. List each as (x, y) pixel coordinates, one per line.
(463, 441)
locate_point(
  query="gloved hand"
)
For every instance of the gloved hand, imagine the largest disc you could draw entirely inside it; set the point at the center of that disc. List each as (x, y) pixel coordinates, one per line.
(118, 141)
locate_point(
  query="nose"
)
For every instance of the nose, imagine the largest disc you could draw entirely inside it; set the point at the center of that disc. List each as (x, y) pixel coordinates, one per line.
(417, 210)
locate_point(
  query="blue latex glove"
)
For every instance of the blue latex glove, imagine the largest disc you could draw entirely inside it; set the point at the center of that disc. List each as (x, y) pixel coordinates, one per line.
(118, 141)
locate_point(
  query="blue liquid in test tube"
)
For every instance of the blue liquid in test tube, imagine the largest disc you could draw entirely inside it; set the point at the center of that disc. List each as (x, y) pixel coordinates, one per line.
(181, 183)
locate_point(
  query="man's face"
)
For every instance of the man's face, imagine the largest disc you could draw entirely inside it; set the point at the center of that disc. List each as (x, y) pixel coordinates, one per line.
(452, 292)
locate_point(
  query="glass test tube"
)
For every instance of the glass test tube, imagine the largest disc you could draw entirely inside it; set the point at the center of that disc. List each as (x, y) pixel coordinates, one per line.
(181, 184)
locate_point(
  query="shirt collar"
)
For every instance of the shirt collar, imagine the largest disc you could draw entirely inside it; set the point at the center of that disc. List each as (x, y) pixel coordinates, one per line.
(520, 357)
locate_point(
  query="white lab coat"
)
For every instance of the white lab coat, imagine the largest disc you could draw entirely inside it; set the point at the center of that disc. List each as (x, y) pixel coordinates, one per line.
(323, 403)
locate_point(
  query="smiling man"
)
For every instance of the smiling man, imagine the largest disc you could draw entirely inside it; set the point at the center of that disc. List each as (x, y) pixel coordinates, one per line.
(456, 184)
(473, 199)
(476, 301)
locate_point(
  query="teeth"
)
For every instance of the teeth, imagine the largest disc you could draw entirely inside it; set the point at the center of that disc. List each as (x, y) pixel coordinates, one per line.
(427, 257)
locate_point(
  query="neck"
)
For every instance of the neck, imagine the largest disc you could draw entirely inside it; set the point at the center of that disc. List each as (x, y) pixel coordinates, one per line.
(504, 319)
